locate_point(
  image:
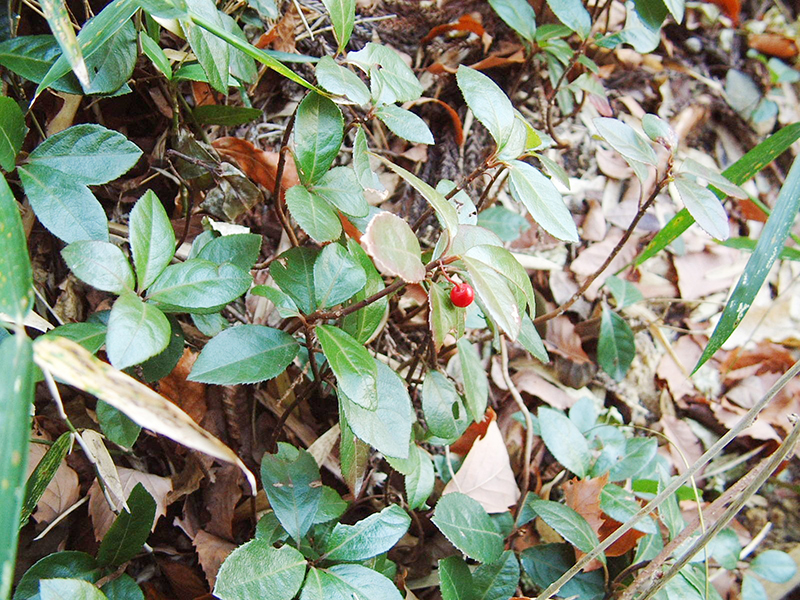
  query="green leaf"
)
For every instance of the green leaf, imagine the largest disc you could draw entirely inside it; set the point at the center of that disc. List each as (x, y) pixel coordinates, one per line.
(74, 589)
(31, 56)
(364, 324)
(67, 209)
(625, 293)
(257, 570)
(136, 331)
(211, 51)
(343, 17)
(123, 587)
(113, 66)
(625, 140)
(506, 224)
(340, 187)
(241, 249)
(573, 14)
(244, 354)
(660, 131)
(331, 506)
(388, 426)
(444, 410)
(225, 115)
(341, 81)
(618, 504)
(455, 579)
(391, 80)
(568, 523)
(774, 565)
(753, 589)
(495, 296)
(152, 239)
(16, 284)
(545, 563)
(469, 528)
(291, 480)
(725, 548)
(518, 15)
(318, 134)
(636, 456)
(704, 206)
(346, 582)
(710, 176)
(354, 454)
(355, 369)
(161, 364)
(498, 579)
(154, 52)
(503, 263)
(242, 66)
(615, 348)
(55, 11)
(43, 474)
(565, 441)
(366, 177)
(337, 276)
(405, 124)
(476, 383)
(16, 397)
(130, 529)
(369, 537)
(543, 201)
(293, 271)
(738, 173)
(419, 477)
(488, 103)
(75, 565)
(116, 426)
(394, 247)
(444, 316)
(91, 336)
(100, 264)
(12, 132)
(314, 214)
(87, 154)
(531, 340)
(755, 273)
(198, 285)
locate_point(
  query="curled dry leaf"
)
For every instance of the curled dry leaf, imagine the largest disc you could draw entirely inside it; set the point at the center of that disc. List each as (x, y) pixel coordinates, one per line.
(259, 165)
(211, 552)
(486, 475)
(189, 396)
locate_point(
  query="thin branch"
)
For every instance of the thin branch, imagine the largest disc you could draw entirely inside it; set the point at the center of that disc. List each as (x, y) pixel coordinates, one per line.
(278, 188)
(526, 468)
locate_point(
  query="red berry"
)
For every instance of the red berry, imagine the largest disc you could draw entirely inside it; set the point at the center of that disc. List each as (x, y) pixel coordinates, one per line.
(462, 295)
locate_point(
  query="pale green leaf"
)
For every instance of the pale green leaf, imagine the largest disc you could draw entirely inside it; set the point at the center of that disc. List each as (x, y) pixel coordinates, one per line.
(394, 247)
(136, 331)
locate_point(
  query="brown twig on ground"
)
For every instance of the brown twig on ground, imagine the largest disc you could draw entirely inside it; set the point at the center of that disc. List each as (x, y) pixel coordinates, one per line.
(276, 191)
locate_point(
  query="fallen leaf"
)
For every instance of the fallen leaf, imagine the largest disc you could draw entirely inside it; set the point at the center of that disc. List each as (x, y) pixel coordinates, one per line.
(189, 396)
(583, 496)
(476, 430)
(486, 475)
(211, 553)
(773, 44)
(259, 165)
(185, 582)
(684, 446)
(221, 498)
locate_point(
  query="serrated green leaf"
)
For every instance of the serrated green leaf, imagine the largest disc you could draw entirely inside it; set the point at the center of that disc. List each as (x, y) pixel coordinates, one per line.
(405, 124)
(573, 14)
(616, 348)
(543, 201)
(476, 384)
(455, 579)
(469, 528)
(337, 276)
(319, 130)
(355, 369)
(244, 354)
(130, 529)
(12, 132)
(240, 249)
(123, 587)
(498, 579)
(91, 336)
(445, 413)
(331, 506)
(636, 456)
(565, 441)
(199, 286)
(369, 537)
(211, 51)
(100, 264)
(293, 271)
(314, 214)
(625, 140)
(257, 570)
(43, 474)
(16, 283)
(704, 206)
(151, 237)
(394, 247)
(488, 103)
(420, 478)
(568, 523)
(136, 331)
(343, 17)
(341, 188)
(345, 582)
(620, 506)
(518, 15)
(341, 81)
(391, 80)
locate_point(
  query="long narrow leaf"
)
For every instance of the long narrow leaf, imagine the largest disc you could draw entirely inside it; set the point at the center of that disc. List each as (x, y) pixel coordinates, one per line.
(55, 11)
(739, 172)
(764, 256)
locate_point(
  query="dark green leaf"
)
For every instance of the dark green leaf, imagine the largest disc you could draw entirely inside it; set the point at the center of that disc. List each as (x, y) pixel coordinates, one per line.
(337, 276)
(476, 384)
(43, 474)
(498, 579)
(343, 17)
(340, 187)
(405, 124)
(545, 563)
(455, 579)
(637, 455)
(198, 285)
(291, 480)
(211, 51)
(257, 570)
(31, 56)
(387, 427)
(543, 201)
(319, 130)
(75, 565)
(293, 271)
(225, 115)
(100, 264)
(16, 397)
(573, 14)
(152, 239)
(568, 523)
(355, 369)
(314, 214)
(113, 67)
(364, 324)
(244, 354)
(116, 426)
(130, 529)
(369, 537)
(161, 364)
(12, 132)
(136, 331)
(123, 587)
(340, 80)
(242, 66)
(616, 348)
(565, 441)
(91, 336)
(444, 410)
(241, 249)
(774, 565)
(466, 524)
(16, 284)
(518, 15)
(283, 303)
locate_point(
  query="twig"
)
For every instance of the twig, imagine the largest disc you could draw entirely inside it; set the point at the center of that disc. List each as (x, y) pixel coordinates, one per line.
(277, 189)
(526, 471)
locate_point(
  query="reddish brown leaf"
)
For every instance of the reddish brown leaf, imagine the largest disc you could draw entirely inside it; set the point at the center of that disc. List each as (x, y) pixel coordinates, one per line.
(202, 94)
(623, 544)
(459, 129)
(731, 8)
(188, 395)
(211, 552)
(466, 23)
(773, 44)
(583, 496)
(463, 444)
(185, 582)
(258, 165)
